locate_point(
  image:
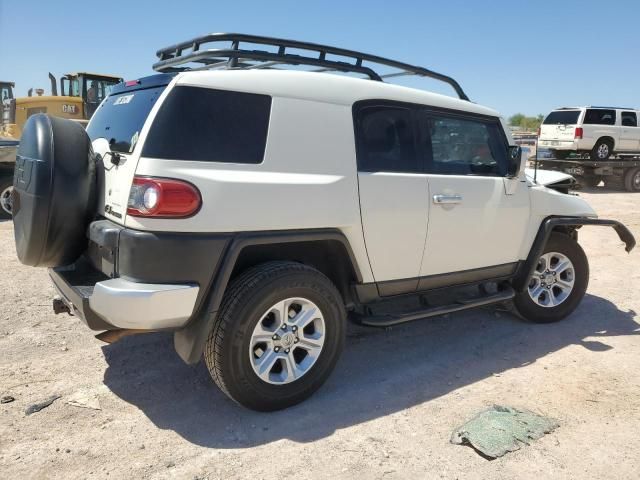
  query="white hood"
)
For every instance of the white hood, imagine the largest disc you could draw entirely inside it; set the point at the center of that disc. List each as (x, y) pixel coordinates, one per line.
(546, 177)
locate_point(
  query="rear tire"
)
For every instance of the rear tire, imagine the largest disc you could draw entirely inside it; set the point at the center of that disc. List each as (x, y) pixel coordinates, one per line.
(254, 309)
(602, 150)
(6, 185)
(632, 180)
(550, 297)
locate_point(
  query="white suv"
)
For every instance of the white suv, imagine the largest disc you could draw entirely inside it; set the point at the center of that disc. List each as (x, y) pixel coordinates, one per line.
(252, 210)
(597, 131)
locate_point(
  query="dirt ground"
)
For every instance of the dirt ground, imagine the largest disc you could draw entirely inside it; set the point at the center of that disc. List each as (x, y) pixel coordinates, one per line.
(387, 412)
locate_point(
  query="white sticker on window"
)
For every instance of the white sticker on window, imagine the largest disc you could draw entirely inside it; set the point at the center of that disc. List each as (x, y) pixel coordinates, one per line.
(123, 99)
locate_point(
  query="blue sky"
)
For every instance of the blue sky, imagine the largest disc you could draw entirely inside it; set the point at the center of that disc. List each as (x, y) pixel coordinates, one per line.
(515, 56)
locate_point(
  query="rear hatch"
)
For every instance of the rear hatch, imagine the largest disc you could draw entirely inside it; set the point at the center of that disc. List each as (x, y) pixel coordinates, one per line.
(560, 125)
(114, 130)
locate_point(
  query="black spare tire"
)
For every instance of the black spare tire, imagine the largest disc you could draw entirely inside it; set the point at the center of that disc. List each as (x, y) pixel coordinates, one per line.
(54, 191)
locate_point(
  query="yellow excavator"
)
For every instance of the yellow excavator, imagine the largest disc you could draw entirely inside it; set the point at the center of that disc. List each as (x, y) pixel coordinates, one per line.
(80, 95)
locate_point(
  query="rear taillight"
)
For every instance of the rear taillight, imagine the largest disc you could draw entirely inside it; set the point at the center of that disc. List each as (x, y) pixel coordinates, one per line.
(539, 130)
(578, 133)
(163, 197)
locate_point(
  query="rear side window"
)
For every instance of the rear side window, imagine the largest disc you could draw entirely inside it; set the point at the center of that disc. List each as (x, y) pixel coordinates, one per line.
(386, 140)
(562, 117)
(120, 118)
(209, 125)
(464, 146)
(600, 117)
(629, 119)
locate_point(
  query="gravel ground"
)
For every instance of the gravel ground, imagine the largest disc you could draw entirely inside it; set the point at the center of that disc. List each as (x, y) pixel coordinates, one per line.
(387, 412)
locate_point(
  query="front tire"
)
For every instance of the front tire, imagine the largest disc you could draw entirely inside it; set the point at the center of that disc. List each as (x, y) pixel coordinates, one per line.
(558, 283)
(277, 337)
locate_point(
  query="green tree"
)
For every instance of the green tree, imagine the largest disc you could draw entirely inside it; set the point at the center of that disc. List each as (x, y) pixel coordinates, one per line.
(516, 120)
(524, 122)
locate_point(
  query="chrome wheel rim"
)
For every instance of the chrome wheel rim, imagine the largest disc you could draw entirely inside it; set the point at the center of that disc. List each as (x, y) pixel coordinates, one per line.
(5, 200)
(636, 181)
(552, 281)
(287, 341)
(603, 150)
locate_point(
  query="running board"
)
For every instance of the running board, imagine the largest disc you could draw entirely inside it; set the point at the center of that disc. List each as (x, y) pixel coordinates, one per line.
(388, 320)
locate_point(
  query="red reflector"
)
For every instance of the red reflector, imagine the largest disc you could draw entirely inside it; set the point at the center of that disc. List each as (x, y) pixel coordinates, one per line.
(131, 83)
(578, 132)
(163, 198)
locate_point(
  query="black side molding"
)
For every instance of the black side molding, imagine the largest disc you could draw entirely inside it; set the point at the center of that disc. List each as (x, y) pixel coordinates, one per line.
(520, 282)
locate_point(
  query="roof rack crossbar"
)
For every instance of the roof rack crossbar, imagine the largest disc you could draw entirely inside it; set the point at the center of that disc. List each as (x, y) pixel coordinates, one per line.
(178, 56)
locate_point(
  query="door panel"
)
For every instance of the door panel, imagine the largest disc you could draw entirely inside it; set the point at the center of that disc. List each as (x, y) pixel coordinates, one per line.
(629, 132)
(484, 228)
(394, 208)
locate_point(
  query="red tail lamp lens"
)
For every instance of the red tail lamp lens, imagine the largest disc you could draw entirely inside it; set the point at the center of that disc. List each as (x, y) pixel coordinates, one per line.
(578, 132)
(163, 197)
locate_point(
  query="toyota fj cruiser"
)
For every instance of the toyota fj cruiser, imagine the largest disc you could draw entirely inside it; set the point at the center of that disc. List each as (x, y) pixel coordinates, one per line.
(251, 209)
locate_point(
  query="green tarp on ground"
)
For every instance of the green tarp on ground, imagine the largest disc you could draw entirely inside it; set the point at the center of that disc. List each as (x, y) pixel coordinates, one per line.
(499, 430)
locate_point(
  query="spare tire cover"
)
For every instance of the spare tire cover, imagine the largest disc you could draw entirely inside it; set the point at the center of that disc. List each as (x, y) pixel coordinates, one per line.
(54, 191)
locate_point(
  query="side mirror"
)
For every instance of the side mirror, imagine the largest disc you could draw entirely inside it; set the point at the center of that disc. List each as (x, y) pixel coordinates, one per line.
(515, 160)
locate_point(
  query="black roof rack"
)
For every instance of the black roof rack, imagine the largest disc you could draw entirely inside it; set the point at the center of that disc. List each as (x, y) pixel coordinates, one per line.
(178, 56)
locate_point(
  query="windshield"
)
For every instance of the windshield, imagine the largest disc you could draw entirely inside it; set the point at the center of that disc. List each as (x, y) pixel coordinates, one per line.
(562, 117)
(121, 117)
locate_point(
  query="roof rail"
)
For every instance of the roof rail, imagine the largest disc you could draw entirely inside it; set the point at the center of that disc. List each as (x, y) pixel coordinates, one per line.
(178, 56)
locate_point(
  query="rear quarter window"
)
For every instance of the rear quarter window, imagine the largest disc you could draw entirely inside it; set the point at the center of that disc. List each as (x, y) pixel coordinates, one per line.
(600, 117)
(203, 124)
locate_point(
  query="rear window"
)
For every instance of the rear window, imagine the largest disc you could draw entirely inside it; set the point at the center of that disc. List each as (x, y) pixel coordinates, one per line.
(562, 117)
(210, 125)
(121, 117)
(600, 117)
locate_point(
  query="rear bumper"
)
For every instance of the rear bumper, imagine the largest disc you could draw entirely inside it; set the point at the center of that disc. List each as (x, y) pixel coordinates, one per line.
(570, 145)
(118, 303)
(139, 280)
(559, 144)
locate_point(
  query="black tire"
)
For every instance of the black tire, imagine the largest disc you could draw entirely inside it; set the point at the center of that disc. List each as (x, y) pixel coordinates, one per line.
(561, 154)
(6, 185)
(54, 191)
(599, 152)
(632, 180)
(248, 298)
(533, 312)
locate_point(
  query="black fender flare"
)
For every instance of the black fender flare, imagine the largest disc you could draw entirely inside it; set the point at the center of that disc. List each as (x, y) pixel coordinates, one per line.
(547, 226)
(189, 341)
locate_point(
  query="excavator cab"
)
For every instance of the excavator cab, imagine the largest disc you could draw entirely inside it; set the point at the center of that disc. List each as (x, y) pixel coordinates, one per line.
(6, 97)
(91, 87)
(6, 90)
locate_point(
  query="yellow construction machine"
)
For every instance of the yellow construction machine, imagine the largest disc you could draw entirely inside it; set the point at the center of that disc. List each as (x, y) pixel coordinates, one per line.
(80, 95)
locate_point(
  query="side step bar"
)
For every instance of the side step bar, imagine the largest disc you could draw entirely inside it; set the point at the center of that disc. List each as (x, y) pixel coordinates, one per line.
(388, 320)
